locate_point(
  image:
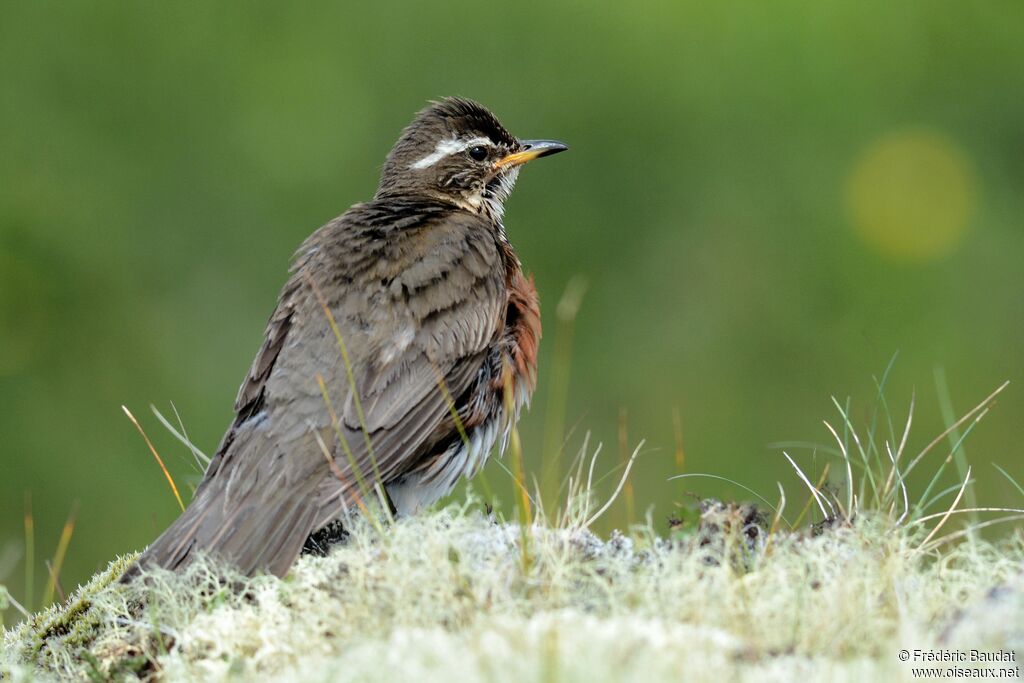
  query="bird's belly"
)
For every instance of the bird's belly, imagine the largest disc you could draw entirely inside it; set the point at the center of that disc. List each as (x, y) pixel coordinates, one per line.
(422, 487)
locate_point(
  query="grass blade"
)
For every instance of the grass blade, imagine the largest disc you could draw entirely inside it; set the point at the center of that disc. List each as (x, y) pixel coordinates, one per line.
(30, 550)
(159, 460)
(59, 555)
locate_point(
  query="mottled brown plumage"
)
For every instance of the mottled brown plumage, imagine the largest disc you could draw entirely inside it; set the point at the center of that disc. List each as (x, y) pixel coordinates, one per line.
(434, 312)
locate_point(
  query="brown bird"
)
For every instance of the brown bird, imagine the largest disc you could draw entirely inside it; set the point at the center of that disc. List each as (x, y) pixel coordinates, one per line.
(415, 299)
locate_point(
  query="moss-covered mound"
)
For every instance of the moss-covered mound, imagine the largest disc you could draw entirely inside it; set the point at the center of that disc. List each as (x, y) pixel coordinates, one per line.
(456, 596)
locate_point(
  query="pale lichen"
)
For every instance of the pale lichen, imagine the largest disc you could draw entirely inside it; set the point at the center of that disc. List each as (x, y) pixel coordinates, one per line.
(451, 596)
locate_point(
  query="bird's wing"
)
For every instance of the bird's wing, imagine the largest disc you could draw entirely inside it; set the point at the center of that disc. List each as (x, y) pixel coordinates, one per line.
(441, 310)
(251, 394)
(418, 310)
(416, 315)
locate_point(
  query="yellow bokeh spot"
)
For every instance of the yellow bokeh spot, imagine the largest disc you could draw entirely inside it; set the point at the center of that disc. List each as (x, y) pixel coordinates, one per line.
(910, 195)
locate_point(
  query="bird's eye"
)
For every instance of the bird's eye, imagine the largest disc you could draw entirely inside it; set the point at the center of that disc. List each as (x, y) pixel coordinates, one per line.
(478, 153)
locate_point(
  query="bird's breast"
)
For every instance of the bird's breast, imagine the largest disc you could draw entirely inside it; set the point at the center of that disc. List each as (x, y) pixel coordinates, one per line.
(523, 328)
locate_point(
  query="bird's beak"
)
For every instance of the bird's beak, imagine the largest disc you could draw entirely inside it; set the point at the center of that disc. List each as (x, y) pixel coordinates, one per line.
(531, 149)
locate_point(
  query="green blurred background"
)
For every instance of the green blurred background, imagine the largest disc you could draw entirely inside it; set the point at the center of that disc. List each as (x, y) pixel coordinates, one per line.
(767, 200)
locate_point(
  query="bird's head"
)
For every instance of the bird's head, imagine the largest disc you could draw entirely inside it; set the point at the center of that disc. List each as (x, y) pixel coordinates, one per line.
(457, 149)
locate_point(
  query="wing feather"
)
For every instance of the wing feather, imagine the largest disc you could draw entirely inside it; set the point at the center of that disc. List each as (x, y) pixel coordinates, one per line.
(416, 320)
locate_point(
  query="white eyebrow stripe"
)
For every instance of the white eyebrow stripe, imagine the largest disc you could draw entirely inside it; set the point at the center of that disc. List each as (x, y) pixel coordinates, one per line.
(448, 147)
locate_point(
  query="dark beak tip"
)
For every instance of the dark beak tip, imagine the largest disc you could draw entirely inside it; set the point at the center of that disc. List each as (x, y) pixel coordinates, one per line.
(544, 147)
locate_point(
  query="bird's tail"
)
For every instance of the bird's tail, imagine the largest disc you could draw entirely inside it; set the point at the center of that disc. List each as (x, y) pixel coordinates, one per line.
(254, 519)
